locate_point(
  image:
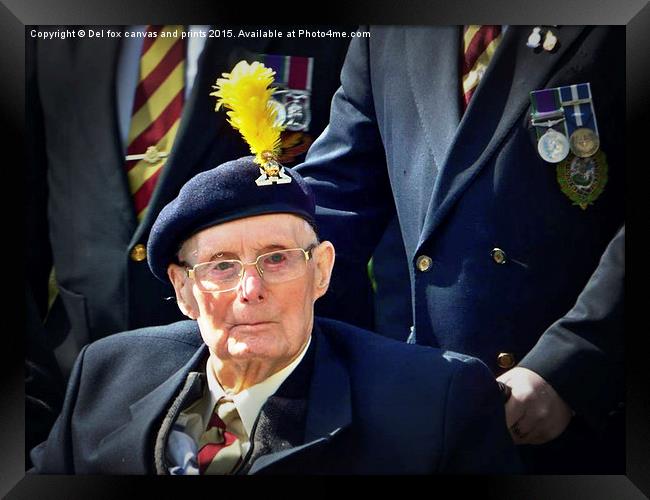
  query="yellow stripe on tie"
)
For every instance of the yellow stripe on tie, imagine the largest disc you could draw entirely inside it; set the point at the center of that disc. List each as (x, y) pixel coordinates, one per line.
(158, 101)
(147, 171)
(472, 79)
(472, 29)
(158, 50)
(142, 213)
(142, 171)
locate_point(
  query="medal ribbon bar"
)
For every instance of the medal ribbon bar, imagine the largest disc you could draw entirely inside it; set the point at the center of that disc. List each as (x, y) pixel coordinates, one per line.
(579, 107)
(546, 106)
(293, 72)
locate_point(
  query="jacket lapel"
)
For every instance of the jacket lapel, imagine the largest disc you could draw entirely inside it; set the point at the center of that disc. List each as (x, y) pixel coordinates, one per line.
(432, 63)
(495, 108)
(129, 449)
(329, 406)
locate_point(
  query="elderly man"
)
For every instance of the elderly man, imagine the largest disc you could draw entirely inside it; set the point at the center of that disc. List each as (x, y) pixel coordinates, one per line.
(256, 384)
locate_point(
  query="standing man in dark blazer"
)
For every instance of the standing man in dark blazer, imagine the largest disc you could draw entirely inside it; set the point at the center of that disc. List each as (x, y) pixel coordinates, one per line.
(81, 219)
(515, 250)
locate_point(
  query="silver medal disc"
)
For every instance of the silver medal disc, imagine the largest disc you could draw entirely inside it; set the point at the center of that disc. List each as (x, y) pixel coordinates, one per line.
(553, 147)
(280, 112)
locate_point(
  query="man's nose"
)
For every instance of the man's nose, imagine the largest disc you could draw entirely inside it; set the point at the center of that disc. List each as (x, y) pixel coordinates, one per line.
(251, 288)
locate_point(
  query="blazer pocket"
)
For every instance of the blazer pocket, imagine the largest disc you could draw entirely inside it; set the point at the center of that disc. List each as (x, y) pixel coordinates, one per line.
(75, 307)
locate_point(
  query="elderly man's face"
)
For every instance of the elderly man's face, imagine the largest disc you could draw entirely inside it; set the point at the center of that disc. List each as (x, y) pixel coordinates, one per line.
(257, 320)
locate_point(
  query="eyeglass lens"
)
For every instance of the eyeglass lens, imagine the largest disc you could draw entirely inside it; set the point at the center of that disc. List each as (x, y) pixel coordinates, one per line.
(275, 267)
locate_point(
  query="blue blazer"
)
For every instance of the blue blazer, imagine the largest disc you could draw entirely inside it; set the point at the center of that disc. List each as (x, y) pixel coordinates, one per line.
(365, 405)
(462, 185)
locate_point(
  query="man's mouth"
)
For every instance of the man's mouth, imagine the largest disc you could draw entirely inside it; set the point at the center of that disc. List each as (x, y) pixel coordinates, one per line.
(251, 325)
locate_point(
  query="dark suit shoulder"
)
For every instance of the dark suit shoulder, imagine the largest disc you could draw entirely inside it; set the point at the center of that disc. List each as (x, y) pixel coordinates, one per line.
(122, 368)
(157, 351)
(185, 332)
(445, 396)
(374, 354)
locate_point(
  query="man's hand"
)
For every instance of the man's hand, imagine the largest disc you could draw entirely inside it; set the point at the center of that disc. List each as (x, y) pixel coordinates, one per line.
(535, 413)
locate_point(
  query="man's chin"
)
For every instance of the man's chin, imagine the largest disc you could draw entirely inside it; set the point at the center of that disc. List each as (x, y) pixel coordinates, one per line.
(248, 345)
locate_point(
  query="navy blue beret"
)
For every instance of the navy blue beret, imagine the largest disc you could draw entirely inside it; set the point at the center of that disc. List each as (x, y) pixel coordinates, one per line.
(225, 193)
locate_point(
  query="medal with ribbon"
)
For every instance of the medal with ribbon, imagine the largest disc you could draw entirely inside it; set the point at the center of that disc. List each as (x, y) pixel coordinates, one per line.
(292, 100)
(568, 112)
(293, 88)
(581, 125)
(548, 119)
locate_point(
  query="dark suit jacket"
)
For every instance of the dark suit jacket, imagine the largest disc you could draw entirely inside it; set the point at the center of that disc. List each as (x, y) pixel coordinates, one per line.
(81, 215)
(361, 404)
(464, 185)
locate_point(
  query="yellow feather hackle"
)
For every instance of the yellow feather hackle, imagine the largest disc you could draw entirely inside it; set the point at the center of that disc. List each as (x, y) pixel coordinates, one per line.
(245, 92)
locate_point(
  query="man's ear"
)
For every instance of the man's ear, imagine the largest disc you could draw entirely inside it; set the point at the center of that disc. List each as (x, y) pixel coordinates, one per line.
(183, 288)
(324, 256)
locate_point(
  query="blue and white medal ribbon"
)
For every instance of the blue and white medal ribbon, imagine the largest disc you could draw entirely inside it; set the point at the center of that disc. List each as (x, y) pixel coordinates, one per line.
(581, 124)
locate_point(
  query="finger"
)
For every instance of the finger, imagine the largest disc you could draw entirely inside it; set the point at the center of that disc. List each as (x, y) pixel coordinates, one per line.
(527, 425)
(536, 439)
(540, 435)
(517, 436)
(546, 431)
(526, 440)
(505, 391)
(516, 439)
(533, 430)
(514, 411)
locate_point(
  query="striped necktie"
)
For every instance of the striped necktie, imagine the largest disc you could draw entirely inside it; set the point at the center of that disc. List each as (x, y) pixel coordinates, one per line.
(479, 44)
(156, 113)
(220, 446)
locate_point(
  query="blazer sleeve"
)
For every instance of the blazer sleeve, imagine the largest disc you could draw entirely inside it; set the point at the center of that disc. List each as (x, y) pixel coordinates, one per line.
(346, 169)
(56, 454)
(581, 354)
(476, 438)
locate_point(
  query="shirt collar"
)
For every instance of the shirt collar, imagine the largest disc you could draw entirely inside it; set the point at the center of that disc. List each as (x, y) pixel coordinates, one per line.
(249, 402)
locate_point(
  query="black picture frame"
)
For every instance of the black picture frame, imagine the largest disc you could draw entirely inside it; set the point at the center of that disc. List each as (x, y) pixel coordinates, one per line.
(15, 15)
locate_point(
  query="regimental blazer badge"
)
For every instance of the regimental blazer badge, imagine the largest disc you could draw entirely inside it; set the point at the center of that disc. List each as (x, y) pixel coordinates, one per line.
(583, 179)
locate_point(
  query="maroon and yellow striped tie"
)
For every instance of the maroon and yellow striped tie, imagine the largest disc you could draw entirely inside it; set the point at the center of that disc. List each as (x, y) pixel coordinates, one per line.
(478, 45)
(220, 446)
(156, 111)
